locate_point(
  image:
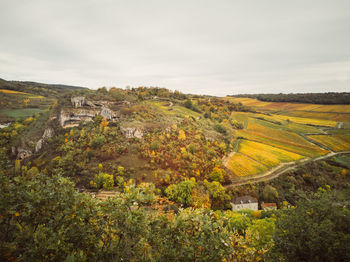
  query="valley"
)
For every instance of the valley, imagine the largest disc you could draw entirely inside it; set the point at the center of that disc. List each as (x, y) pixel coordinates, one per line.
(149, 162)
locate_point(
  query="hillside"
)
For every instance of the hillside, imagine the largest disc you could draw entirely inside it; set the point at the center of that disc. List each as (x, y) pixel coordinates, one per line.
(170, 162)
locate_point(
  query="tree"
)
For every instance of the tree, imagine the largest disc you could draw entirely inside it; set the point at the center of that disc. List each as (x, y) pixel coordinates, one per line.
(316, 230)
(188, 104)
(217, 174)
(270, 193)
(181, 192)
(217, 194)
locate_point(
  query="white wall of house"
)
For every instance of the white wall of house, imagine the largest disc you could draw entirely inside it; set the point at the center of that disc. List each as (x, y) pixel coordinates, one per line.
(237, 207)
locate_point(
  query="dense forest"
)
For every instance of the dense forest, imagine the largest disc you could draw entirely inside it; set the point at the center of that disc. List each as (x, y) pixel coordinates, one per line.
(329, 98)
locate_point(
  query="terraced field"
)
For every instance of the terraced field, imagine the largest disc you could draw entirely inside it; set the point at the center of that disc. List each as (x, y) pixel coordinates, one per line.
(242, 165)
(334, 142)
(285, 132)
(267, 155)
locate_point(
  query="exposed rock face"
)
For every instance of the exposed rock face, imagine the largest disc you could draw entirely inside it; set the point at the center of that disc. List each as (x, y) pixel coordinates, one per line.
(72, 117)
(78, 101)
(23, 153)
(48, 133)
(109, 114)
(130, 132)
(39, 145)
(4, 125)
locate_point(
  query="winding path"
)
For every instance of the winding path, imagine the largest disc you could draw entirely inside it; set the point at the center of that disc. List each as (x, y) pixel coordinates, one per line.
(277, 170)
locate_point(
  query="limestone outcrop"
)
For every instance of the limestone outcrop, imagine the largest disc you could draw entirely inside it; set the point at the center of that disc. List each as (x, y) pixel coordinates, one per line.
(48, 133)
(23, 153)
(79, 101)
(71, 117)
(131, 132)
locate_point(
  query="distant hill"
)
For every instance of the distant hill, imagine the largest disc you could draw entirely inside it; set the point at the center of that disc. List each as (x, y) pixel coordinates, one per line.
(37, 88)
(330, 98)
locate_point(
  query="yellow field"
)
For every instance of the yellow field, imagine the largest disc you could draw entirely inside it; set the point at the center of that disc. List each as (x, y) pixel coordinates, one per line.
(6, 91)
(282, 135)
(284, 106)
(265, 154)
(334, 142)
(305, 149)
(339, 117)
(241, 165)
(276, 133)
(307, 121)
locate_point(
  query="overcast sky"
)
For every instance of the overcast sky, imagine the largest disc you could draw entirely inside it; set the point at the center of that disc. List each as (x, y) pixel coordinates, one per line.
(213, 47)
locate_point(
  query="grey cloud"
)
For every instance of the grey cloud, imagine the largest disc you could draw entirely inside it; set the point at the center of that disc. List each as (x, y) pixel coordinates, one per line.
(208, 47)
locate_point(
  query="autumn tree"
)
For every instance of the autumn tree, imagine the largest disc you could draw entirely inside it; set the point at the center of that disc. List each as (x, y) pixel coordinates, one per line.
(181, 192)
(316, 230)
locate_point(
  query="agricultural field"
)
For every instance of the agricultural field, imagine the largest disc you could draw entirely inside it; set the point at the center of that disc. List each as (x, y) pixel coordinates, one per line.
(339, 117)
(242, 165)
(10, 99)
(307, 150)
(295, 130)
(343, 160)
(334, 142)
(20, 113)
(286, 106)
(307, 121)
(6, 91)
(267, 155)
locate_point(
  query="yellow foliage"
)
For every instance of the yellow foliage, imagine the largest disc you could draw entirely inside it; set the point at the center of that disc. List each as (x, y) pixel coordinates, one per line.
(256, 213)
(182, 135)
(104, 122)
(93, 184)
(17, 125)
(29, 119)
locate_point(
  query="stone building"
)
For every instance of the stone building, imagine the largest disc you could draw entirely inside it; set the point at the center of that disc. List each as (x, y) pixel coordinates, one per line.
(244, 202)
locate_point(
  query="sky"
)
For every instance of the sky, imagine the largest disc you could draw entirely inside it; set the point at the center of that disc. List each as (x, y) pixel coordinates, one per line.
(217, 47)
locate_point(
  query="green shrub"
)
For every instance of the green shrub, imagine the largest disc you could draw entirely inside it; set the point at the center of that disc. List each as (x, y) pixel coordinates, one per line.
(103, 180)
(98, 142)
(220, 128)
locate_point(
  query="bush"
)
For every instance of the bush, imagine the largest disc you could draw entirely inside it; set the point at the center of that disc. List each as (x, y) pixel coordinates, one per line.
(98, 142)
(217, 174)
(220, 128)
(103, 180)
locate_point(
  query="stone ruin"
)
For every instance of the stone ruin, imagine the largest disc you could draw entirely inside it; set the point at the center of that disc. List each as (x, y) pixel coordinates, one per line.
(78, 101)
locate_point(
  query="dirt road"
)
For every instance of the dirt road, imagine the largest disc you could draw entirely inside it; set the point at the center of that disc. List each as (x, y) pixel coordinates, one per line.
(277, 170)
